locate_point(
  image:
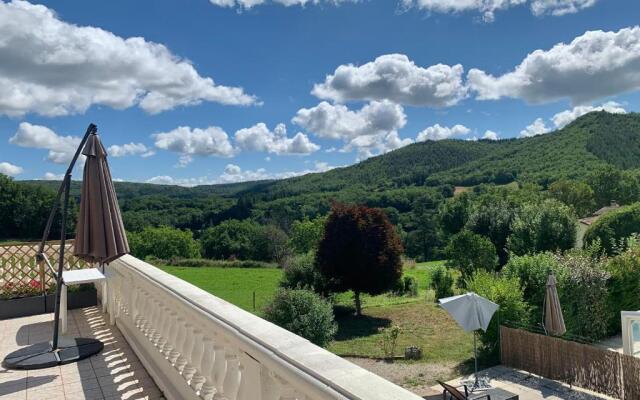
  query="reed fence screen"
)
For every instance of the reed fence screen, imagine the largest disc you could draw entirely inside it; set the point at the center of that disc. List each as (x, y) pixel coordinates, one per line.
(600, 370)
(22, 275)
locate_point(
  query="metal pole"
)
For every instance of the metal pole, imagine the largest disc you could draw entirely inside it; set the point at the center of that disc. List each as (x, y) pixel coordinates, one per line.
(475, 356)
(59, 282)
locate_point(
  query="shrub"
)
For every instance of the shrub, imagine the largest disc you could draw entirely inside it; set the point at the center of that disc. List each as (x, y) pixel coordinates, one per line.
(410, 286)
(300, 272)
(163, 242)
(532, 271)
(469, 252)
(505, 292)
(613, 227)
(442, 282)
(390, 340)
(231, 239)
(624, 285)
(360, 251)
(303, 313)
(584, 295)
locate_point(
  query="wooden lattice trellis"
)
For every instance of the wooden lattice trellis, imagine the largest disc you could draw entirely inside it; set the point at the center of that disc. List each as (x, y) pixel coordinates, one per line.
(21, 275)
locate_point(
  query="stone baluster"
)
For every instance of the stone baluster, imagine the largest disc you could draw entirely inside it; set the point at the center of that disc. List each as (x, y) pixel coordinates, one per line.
(197, 357)
(154, 334)
(250, 385)
(219, 367)
(231, 382)
(208, 389)
(190, 369)
(183, 345)
(177, 338)
(153, 317)
(168, 316)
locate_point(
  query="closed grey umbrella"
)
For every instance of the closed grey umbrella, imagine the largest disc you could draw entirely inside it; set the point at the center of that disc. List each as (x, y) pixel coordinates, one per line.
(553, 319)
(100, 235)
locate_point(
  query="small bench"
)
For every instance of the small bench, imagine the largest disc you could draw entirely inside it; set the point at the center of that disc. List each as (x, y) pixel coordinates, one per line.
(78, 277)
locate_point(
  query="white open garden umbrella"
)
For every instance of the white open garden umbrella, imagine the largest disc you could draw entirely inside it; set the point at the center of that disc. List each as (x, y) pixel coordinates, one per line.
(471, 312)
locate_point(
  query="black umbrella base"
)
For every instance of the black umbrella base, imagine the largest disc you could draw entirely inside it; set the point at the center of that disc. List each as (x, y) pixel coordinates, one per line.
(41, 355)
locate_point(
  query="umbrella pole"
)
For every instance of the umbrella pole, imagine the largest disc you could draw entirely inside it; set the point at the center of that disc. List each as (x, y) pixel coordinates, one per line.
(59, 282)
(475, 356)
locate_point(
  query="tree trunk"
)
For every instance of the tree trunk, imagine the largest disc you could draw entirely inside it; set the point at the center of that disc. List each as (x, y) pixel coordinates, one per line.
(356, 298)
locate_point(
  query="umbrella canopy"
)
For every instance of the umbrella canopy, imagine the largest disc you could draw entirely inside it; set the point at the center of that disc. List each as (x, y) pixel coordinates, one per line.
(100, 235)
(553, 319)
(471, 312)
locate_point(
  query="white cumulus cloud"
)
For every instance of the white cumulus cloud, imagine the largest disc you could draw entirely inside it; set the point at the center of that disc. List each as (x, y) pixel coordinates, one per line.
(370, 130)
(60, 148)
(233, 173)
(594, 65)
(564, 118)
(437, 132)
(396, 78)
(536, 128)
(488, 8)
(260, 138)
(57, 68)
(130, 149)
(490, 135)
(50, 176)
(10, 169)
(189, 142)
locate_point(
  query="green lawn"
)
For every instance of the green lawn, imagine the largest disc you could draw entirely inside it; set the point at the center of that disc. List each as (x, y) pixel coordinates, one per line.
(235, 285)
(422, 322)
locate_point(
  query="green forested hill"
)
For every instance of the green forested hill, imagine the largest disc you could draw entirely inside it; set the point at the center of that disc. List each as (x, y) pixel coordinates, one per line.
(413, 185)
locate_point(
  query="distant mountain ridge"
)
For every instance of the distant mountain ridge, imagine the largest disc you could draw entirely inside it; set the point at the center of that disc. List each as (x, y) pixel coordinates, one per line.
(592, 141)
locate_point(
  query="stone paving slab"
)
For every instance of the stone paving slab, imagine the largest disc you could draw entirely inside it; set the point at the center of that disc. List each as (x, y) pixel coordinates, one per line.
(526, 386)
(114, 373)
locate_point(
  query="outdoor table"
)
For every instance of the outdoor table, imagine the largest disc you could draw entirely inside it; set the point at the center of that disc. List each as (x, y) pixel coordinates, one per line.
(496, 394)
(78, 277)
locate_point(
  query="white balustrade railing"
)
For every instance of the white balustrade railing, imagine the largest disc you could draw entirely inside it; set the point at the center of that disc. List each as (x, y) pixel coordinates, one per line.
(197, 346)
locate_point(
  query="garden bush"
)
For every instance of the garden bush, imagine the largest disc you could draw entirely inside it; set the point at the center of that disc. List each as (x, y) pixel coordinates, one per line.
(624, 285)
(614, 227)
(532, 271)
(442, 282)
(303, 313)
(164, 243)
(507, 293)
(300, 272)
(584, 295)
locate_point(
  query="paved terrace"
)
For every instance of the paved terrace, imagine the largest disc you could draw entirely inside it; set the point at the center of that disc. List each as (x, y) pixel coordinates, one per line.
(115, 373)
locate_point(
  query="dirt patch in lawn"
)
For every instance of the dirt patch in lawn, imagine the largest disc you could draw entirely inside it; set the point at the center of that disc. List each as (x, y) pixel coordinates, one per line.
(416, 377)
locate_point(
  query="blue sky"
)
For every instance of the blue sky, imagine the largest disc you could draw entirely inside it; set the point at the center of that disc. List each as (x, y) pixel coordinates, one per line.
(385, 73)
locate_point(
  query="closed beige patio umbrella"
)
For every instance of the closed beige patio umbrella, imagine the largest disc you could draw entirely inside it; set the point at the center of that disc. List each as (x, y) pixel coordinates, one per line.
(553, 319)
(100, 235)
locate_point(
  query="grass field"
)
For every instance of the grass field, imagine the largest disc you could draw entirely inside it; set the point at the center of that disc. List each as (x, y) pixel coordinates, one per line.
(422, 322)
(235, 285)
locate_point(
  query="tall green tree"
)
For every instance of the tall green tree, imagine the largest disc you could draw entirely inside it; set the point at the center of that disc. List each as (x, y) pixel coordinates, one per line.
(306, 234)
(360, 251)
(576, 194)
(547, 226)
(231, 239)
(469, 252)
(163, 242)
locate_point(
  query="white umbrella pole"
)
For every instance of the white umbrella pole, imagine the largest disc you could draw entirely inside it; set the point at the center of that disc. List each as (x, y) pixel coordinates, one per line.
(475, 356)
